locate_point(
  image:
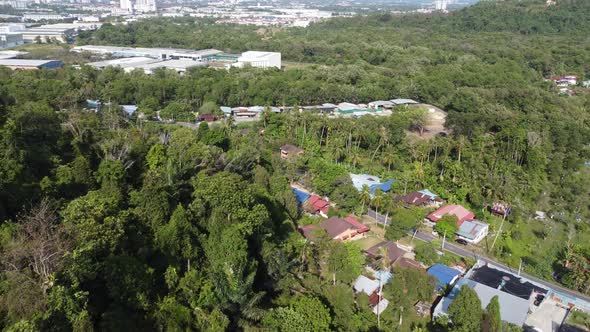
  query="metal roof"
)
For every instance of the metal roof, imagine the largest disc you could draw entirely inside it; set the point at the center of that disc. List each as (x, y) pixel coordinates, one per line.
(512, 308)
(25, 62)
(470, 229)
(365, 285)
(445, 275)
(402, 101)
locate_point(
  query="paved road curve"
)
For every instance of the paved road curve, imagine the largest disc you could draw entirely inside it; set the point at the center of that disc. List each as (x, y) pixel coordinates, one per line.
(464, 252)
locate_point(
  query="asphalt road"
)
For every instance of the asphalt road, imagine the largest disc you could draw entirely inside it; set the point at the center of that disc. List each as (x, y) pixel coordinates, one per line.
(464, 252)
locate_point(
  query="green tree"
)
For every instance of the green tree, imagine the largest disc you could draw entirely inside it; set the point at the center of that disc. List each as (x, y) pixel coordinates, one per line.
(426, 253)
(210, 108)
(344, 261)
(149, 106)
(492, 321)
(447, 225)
(304, 314)
(465, 311)
(402, 222)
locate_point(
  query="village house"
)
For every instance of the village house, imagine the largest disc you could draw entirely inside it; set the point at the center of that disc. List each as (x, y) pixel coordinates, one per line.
(500, 209)
(381, 105)
(316, 205)
(289, 151)
(472, 231)
(336, 229)
(423, 198)
(458, 211)
(444, 275)
(207, 117)
(389, 248)
(359, 181)
(371, 287)
(566, 80)
(396, 256)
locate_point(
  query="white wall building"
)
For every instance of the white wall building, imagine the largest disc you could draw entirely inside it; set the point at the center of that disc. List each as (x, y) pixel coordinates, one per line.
(145, 5)
(10, 39)
(259, 59)
(12, 27)
(155, 53)
(126, 5)
(473, 231)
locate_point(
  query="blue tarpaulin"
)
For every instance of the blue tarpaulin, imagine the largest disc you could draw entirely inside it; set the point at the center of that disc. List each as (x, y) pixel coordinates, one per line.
(444, 274)
(384, 187)
(300, 195)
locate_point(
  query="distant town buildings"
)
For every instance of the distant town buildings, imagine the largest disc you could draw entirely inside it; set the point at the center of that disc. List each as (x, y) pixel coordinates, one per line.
(144, 6)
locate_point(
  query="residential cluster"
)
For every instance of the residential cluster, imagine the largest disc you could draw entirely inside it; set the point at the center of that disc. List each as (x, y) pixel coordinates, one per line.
(566, 83)
(380, 108)
(523, 302)
(180, 60)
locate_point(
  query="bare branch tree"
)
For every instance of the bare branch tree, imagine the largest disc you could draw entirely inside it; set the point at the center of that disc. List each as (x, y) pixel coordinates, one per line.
(39, 246)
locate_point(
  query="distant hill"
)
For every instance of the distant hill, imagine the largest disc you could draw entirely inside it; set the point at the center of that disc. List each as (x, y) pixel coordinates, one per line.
(525, 17)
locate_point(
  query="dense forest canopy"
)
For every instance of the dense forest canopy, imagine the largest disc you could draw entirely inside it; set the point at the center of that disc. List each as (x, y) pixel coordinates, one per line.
(114, 223)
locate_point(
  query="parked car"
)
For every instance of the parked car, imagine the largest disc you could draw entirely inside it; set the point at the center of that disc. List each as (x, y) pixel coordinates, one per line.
(461, 241)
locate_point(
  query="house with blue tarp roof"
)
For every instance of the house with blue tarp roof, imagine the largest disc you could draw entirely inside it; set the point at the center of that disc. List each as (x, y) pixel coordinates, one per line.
(444, 274)
(373, 182)
(384, 187)
(129, 109)
(300, 195)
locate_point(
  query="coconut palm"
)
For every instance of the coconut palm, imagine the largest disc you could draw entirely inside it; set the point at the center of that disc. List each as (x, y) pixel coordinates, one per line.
(365, 197)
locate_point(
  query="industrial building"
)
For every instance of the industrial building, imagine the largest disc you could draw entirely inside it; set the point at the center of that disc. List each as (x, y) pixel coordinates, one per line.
(17, 34)
(148, 65)
(10, 39)
(211, 57)
(155, 53)
(259, 59)
(128, 64)
(15, 64)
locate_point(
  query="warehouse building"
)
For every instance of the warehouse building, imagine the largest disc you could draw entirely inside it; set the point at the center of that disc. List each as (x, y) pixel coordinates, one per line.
(10, 39)
(155, 53)
(15, 64)
(127, 64)
(211, 57)
(61, 32)
(259, 60)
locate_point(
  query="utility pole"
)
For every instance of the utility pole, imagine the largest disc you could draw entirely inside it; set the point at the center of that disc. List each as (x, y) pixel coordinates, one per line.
(385, 224)
(379, 304)
(499, 231)
(520, 267)
(444, 239)
(401, 315)
(414, 235)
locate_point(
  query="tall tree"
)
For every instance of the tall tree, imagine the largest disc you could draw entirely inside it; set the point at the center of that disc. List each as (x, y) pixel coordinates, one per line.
(492, 321)
(465, 311)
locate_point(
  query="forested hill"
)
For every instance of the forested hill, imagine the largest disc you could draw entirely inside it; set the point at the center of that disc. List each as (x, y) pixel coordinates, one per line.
(525, 17)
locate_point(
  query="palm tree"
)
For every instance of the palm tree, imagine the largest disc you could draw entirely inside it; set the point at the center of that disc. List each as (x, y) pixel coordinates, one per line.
(378, 202)
(365, 197)
(228, 124)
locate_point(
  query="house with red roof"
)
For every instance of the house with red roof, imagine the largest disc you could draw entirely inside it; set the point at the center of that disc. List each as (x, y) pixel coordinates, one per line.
(458, 211)
(316, 205)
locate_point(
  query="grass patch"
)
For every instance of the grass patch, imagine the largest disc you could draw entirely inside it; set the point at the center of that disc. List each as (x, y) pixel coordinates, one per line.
(367, 242)
(579, 318)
